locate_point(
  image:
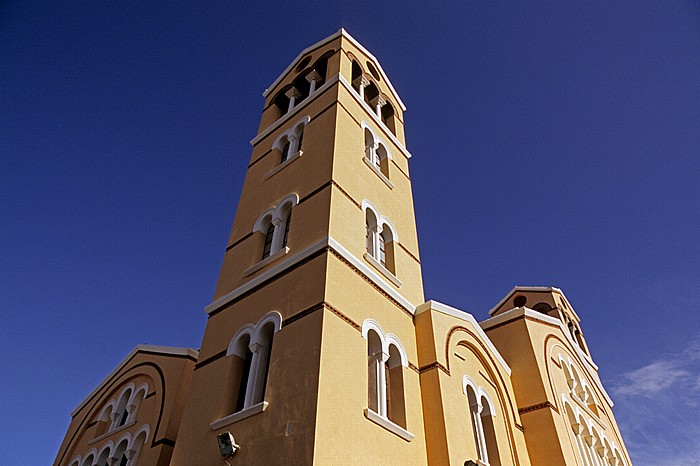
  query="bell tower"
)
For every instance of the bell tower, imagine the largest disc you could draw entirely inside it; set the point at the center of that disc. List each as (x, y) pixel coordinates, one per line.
(321, 274)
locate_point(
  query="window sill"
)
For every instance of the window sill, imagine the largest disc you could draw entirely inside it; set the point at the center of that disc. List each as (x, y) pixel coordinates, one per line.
(379, 173)
(111, 432)
(388, 425)
(383, 270)
(279, 167)
(268, 260)
(237, 416)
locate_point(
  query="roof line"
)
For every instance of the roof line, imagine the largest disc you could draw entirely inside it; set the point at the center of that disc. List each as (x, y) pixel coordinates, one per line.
(171, 350)
(340, 33)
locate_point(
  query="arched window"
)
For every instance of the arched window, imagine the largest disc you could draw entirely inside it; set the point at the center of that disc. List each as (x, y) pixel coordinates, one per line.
(121, 414)
(104, 455)
(487, 422)
(371, 94)
(356, 78)
(137, 444)
(135, 401)
(275, 225)
(380, 242)
(104, 419)
(395, 403)
(371, 232)
(88, 460)
(482, 415)
(287, 222)
(120, 457)
(375, 364)
(371, 149)
(251, 347)
(267, 247)
(385, 375)
(285, 150)
(388, 117)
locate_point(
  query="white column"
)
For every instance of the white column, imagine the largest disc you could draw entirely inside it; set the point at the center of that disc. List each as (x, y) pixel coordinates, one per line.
(578, 428)
(376, 231)
(589, 442)
(251, 390)
(364, 82)
(381, 380)
(293, 145)
(479, 427)
(278, 233)
(313, 78)
(380, 103)
(293, 94)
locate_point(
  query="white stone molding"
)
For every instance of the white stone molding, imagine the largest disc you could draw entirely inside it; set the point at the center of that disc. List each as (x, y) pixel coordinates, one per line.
(263, 222)
(388, 425)
(328, 241)
(379, 173)
(281, 166)
(239, 415)
(268, 260)
(467, 317)
(234, 348)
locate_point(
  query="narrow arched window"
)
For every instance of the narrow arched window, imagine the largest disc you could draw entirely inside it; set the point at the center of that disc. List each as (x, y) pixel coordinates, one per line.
(287, 222)
(285, 151)
(300, 138)
(395, 402)
(475, 408)
(104, 456)
(487, 422)
(267, 248)
(381, 252)
(121, 413)
(89, 460)
(356, 76)
(370, 232)
(376, 372)
(265, 336)
(388, 117)
(120, 458)
(239, 375)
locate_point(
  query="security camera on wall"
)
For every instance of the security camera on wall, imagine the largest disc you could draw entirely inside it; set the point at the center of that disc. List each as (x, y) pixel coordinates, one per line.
(227, 444)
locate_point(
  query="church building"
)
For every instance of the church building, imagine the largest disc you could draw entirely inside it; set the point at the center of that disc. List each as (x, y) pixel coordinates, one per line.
(319, 346)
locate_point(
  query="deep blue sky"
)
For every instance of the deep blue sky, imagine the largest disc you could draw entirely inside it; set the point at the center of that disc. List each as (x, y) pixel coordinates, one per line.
(553, 144)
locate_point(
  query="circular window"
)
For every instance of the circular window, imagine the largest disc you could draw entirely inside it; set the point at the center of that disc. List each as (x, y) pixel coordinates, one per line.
(519, 301)
(303, 63)
(374, 71)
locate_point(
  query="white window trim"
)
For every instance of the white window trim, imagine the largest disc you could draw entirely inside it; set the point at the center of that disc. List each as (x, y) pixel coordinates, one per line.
(388, 425)
(239, 415)
(383, 270)
(289, 160)
(379, 173)
(268, 260)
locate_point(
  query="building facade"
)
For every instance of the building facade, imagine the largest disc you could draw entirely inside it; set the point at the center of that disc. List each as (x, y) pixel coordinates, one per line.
(319, 347)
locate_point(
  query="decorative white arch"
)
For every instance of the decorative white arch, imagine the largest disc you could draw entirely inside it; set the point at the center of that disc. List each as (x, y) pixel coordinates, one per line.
(378, 140)
(300, 123)
(259, 345)
(263, 222)
(233, 347)
(391, 339)
(382, 221)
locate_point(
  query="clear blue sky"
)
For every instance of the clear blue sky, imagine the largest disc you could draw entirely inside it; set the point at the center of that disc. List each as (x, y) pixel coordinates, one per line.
(560, 140)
